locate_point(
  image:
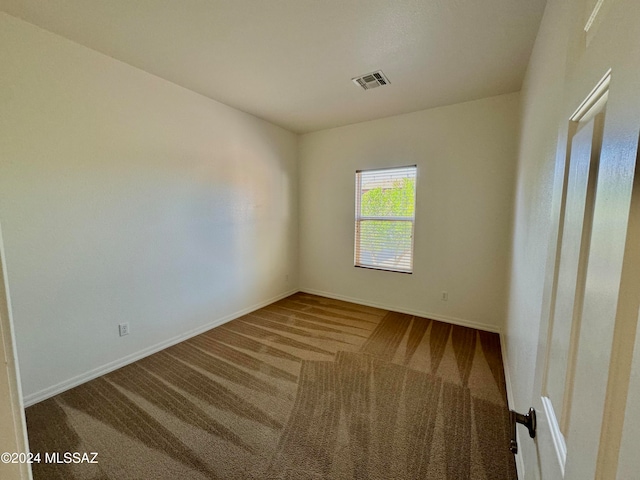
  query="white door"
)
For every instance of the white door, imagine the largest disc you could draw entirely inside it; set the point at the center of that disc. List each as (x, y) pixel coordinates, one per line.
(12, 426)
(586, 347)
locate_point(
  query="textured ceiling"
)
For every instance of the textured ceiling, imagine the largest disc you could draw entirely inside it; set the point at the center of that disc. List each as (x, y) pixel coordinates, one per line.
(291, 61)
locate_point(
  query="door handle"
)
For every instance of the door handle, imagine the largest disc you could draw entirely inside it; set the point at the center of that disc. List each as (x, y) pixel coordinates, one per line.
(526, 419)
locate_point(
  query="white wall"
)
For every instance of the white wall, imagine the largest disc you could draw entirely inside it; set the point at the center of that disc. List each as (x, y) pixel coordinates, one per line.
(125, 198)
(466, 157)
(542, 98)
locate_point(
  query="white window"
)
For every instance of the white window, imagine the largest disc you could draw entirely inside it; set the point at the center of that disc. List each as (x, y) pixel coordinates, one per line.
(385, 217)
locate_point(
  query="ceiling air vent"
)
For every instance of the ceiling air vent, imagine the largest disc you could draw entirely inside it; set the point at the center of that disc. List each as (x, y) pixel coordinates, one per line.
(371, 80)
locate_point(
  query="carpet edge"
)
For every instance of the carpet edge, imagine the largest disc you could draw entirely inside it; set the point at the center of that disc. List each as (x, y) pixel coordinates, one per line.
(432, 316)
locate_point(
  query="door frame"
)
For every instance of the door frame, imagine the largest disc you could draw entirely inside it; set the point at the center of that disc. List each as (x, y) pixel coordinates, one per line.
(13, 437)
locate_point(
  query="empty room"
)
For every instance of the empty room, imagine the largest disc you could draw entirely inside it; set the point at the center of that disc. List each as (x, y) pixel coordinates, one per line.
(319, 239)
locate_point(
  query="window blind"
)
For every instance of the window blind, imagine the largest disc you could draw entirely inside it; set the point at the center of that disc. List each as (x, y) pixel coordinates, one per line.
(385, 218)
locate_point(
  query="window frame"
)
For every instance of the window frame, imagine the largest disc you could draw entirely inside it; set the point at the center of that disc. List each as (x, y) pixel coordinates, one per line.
(359, 218)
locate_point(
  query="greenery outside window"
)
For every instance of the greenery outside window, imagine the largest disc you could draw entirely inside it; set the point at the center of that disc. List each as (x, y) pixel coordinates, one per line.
(385, 218)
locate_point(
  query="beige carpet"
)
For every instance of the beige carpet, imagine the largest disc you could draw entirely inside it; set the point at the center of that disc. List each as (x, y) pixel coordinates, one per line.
(306, 388)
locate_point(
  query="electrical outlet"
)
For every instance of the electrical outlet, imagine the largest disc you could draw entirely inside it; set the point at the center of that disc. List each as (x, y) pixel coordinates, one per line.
(124, 329)
(444, 296)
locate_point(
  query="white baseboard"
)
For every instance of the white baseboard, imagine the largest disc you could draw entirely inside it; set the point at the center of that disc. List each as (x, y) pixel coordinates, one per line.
(511, 401)
(453, 320)
(121, 362)
(507, 376)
